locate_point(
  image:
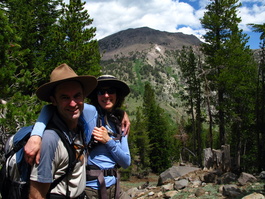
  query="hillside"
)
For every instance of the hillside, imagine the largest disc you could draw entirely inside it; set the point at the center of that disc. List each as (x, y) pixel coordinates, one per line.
(144, 54)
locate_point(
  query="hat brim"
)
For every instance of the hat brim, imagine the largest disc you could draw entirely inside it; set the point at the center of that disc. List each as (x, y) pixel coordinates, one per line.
(89, 83)
(123, 87)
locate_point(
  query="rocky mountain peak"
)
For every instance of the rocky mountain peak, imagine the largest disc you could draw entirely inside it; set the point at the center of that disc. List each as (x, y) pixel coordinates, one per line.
(139, 39)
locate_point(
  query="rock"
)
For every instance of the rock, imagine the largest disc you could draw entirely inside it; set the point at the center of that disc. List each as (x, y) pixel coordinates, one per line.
(132, 192)
(140, 194)
(244, 178)
(262, 175)
(145, 185)
(170, 194)
(254, 196)
(199, 192)
(210, 177)
(196, 183)
(167, 187)
(174, 172)
(231, 191)
(227, 178)
(160, 194)
(180, 184)
(151, 193)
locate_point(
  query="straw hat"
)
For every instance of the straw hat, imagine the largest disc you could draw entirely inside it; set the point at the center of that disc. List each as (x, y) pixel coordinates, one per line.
(61, 74)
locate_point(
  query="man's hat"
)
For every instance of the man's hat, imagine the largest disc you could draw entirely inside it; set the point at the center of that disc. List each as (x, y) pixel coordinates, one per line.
(62, 74)
(111, 81)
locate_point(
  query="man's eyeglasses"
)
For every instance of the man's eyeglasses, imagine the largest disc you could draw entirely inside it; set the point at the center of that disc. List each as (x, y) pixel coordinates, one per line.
(108, 90)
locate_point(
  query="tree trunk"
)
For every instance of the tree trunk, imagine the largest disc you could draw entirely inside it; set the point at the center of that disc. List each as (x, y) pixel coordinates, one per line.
(218, 159)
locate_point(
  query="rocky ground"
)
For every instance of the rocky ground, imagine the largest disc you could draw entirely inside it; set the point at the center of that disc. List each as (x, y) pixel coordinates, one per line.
(189, 182)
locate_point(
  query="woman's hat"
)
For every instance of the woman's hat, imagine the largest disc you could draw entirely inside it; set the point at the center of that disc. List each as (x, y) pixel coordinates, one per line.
(62, 74)
(111, 81)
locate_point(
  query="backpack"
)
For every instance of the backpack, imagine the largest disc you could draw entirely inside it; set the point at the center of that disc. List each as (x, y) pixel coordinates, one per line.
(15, 172)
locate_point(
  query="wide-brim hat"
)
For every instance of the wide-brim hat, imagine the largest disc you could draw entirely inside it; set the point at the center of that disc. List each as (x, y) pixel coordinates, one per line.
(111, 81)
(62, 74)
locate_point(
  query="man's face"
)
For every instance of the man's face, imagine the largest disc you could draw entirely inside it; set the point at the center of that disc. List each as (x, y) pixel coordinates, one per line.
(69, 100)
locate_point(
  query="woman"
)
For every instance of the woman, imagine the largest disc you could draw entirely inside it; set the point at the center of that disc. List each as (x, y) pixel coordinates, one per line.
(108, 147)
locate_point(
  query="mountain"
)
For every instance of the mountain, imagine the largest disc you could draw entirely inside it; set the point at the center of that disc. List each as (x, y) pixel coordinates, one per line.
(140, 39)
(144, 55)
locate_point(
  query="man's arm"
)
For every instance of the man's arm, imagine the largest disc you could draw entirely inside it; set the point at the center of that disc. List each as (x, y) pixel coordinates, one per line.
(38, 190)
(125, 124)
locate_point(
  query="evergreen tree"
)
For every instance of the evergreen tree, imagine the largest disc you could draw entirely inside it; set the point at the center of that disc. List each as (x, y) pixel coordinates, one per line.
(160, 134)
(18, 109)
(260, 101)
(75, 40)
(228, 61)
(28, 61)
(33, 21)
(190, 70)
(140, 146)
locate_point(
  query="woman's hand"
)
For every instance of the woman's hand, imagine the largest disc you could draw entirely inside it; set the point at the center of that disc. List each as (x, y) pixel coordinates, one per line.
(32, 150)
(101, 134)
(125, 124)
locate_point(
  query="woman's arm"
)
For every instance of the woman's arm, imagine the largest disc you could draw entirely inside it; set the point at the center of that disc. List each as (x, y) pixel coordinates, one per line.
(119, 150)
(32, 148)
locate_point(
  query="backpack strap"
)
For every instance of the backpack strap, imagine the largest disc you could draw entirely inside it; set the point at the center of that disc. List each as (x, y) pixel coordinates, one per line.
(94, 172)
(73, 159)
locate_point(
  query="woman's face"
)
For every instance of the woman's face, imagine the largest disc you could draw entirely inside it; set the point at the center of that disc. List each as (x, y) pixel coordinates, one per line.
(107, 97)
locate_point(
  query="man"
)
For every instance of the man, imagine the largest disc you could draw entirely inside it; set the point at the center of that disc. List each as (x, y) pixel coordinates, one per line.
(66, 91)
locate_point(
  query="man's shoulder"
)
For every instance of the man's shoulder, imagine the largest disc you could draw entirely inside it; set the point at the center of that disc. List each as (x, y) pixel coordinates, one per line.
(50, 135)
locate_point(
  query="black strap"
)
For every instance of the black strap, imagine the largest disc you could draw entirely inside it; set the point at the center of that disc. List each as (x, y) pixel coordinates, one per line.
(93, 172)
(72, 157)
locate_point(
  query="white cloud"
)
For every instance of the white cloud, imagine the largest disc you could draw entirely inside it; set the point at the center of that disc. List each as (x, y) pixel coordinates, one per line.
(111, 16)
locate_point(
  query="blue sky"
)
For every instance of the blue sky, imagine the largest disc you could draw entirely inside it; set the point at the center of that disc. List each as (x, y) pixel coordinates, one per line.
(111, 16)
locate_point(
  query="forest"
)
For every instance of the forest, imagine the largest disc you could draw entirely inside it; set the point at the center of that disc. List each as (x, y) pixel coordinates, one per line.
(223, 83)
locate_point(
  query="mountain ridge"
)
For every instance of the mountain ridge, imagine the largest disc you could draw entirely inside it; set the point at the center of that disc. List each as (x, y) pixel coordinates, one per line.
(139, 39)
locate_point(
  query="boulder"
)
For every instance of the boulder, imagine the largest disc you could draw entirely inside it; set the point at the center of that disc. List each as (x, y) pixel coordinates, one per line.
(180, 184)
(254, 196)
(231, 191)
(244, 178)
(174, 172)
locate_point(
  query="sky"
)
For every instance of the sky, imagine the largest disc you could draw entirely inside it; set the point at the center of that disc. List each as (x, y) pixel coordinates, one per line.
(111, 16)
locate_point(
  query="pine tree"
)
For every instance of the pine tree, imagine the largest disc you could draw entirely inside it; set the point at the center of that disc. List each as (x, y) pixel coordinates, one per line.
(140, 146)
(160, 134)
(33, 22)
(77, 47)
(17, 111)
(42, 44)
(192, 79)
(260, 101)
(228, 61)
